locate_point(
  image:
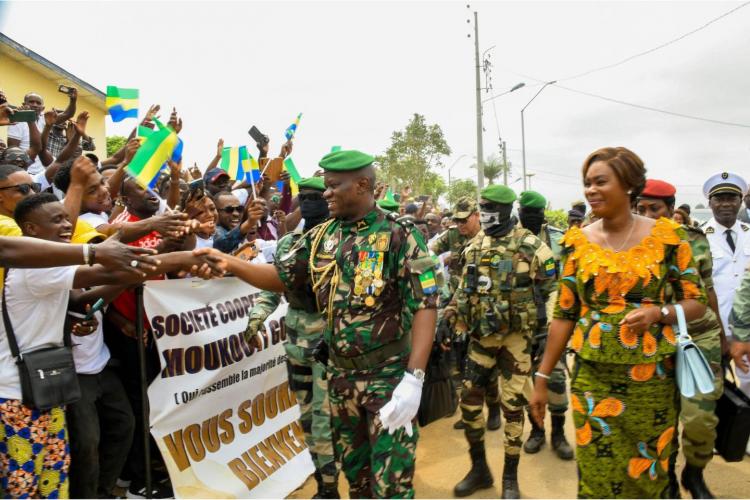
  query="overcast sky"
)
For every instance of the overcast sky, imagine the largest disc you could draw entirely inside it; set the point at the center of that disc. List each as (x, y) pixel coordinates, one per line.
(359, 70)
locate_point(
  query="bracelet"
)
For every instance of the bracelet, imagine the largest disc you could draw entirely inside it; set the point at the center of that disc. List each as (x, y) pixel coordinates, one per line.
(540, 374)
(92, 252)
(86, 255)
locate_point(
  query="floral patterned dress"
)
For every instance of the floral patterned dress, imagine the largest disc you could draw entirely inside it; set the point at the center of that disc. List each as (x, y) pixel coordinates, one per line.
(623, 389)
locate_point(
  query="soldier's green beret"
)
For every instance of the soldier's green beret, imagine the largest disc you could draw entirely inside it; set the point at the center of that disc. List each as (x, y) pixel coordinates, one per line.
(389, 205)
(499, 194)
(532, 199)
(345, 161)
(315, 183)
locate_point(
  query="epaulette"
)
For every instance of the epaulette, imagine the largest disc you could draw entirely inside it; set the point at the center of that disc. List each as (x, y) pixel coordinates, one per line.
(710, 230)
(744, 227)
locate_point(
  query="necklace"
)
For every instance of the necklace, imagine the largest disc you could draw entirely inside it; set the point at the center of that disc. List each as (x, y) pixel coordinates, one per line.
(625, 241)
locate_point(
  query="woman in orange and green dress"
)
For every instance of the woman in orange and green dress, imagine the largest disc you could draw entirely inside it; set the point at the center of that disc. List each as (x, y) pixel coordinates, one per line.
(611, 311)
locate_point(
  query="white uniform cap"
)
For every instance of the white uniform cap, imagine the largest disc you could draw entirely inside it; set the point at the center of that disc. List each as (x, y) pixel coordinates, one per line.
(725, 182)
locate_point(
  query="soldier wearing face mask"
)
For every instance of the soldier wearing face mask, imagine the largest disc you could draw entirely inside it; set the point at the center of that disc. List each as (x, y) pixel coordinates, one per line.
(532, 218)
(504, 266)
(304, 329)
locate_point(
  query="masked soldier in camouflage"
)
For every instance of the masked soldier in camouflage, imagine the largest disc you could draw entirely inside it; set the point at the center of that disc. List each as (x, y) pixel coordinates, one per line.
(454, 240)
(376, 284)
(495, 305)
(697, 413)
(304, 328)
(531, 215)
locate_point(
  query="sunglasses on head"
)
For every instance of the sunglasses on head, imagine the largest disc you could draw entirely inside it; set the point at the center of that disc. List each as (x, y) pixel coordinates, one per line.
(229, 210)
(25, 188)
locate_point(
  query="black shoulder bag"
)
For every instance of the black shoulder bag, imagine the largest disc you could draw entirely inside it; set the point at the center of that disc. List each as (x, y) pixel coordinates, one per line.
(48, 374)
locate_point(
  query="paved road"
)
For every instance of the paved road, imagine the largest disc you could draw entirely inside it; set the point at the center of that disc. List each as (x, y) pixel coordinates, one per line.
(443, 460)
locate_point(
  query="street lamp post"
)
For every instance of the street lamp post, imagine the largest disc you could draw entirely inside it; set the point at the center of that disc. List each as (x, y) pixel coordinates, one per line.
(523, 131)
(529, 176)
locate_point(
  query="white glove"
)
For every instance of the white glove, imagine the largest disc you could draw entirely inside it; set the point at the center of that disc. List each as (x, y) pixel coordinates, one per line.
(403, 406)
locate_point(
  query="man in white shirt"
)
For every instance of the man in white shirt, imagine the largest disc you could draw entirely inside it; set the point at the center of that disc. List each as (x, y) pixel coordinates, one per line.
(730, 244)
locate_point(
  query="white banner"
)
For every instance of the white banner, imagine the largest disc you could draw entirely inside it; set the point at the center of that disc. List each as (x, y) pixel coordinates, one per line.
(222, 413)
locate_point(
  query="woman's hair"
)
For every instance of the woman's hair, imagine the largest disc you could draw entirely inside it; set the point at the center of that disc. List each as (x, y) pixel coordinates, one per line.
(684, 214)
(628, 167)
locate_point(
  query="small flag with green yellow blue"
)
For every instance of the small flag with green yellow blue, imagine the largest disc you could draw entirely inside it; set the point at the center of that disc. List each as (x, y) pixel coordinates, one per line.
(236, 162)
(292, 129)
(121, 103)
(155, 150)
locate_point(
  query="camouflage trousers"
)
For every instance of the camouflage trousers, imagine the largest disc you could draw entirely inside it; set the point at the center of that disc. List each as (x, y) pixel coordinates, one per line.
(307, 378)
(558, 391)
(376, 464)
(510, 354)
(461, 350)
(697, 413)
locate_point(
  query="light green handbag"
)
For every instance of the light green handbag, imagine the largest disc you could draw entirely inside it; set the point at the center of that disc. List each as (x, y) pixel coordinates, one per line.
(694, 374)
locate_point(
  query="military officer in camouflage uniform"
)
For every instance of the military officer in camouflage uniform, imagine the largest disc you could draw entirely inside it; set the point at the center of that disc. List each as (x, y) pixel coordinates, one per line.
(697, 413)
(531, 215)
(495, 304)
(304, 328)
(454, 240)
(376, 284)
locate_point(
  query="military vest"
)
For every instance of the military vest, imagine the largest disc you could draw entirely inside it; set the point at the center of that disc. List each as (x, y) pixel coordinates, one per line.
(498, 283)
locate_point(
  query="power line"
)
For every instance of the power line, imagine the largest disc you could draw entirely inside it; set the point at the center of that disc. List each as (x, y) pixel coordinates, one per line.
(634, 105)
(658, 47)
(655, 110)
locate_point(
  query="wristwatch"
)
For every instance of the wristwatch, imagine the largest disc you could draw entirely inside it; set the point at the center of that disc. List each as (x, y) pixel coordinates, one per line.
(664, 312)
(418, 373)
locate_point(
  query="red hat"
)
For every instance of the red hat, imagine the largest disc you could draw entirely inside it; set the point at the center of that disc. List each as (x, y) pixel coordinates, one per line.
(658, 189)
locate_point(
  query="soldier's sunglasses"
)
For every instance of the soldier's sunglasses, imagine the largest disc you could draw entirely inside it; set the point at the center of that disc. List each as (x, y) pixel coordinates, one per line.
(460, 221)
(229, 210)
(25, 188)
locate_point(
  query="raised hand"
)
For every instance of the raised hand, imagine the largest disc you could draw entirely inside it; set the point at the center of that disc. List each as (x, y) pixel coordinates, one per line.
(173, 225)
(151, 114)
(50, 117)
(131, 148)
(83, 168)
(220, 147)
(175, 122)
(175, 168)
(286, 148)
(80, 123)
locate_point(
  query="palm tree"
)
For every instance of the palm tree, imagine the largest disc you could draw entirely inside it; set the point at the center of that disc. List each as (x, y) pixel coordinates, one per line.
(492, 168)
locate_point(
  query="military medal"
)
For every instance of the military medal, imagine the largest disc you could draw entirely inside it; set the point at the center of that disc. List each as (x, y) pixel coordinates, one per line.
(328, 246)
(369, 301)
(371, 239)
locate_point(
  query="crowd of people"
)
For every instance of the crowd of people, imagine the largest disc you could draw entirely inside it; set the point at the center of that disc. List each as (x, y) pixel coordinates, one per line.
(370, 272)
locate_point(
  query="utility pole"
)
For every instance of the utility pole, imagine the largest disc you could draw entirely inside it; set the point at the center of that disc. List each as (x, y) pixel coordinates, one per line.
(505, 165)
(477, 65)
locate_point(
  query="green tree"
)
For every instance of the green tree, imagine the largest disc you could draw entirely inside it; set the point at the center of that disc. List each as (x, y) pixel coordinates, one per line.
(557, 218)
(461, 187)
(115, 143)
(414, 155)
(493, 168)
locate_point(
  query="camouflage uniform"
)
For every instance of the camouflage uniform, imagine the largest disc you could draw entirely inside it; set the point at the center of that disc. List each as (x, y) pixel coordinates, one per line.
(500, 313)
(558, 392)
(697, 413)
(304, 328)
(369, 277)
(454, 242)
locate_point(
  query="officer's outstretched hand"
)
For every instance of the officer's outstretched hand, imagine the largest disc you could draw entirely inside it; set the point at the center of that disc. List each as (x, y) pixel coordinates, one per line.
(403, 406)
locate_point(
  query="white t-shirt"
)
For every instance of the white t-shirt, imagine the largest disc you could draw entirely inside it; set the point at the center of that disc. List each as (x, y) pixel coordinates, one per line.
(37, 302)
(90, 353)
(203, 242)
(20, 131)
(95, 219)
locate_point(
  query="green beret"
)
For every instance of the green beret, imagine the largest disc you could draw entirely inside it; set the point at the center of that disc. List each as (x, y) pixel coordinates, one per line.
(389, 205)
(532, 199)
(315, 183)
(345, 161)
(499, 194)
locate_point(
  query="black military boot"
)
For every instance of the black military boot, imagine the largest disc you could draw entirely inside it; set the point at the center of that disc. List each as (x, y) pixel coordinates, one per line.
(536, 438)
(493, 418)
(510, 478)
(559, 443)
(479, 477)
(325, 490)
(692, 480)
